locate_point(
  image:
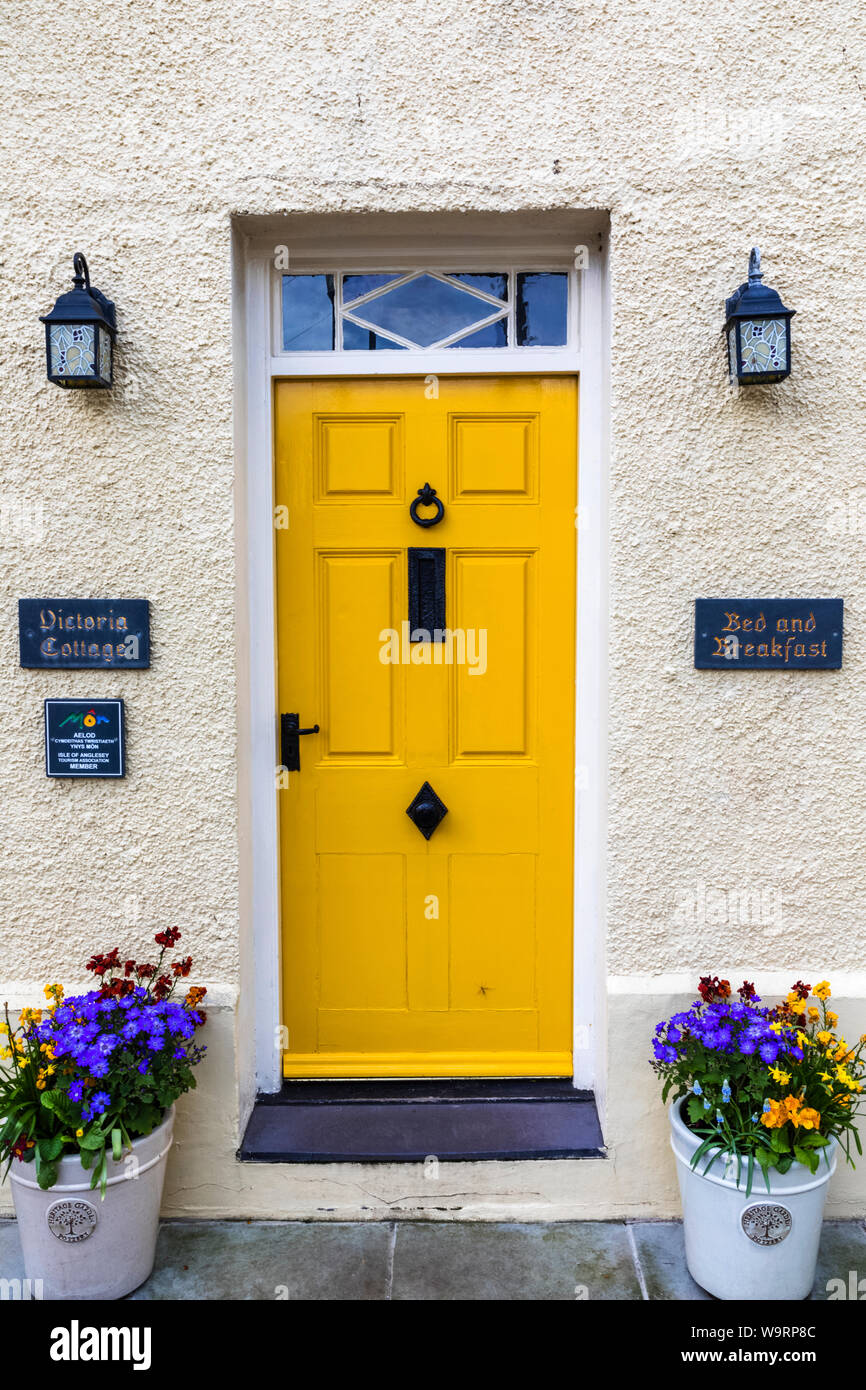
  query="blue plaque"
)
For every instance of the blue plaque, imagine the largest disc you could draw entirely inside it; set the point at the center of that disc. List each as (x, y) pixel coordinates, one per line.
(768, 634)
(84, 738)
(69, 634)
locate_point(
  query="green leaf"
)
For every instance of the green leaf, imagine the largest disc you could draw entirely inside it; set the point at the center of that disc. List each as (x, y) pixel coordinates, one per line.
(46, 1175)
(807, 1157)
(695, 1108)
(93, 1139)
(51, 1147)
(116, 1145)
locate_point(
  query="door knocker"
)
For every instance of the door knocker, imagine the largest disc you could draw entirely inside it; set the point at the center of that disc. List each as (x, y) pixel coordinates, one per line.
(427, 498)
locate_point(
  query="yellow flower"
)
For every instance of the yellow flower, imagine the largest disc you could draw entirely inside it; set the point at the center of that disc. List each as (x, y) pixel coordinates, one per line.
(22, 1061)
(781, 1076)
(802, 1040)
(795, 1004)
(822, 990)
(809, 1118)
(78, 1133)
(54, 992)
(832, 1018)
(4, 1027)
(824, 1038)
(814, 1014)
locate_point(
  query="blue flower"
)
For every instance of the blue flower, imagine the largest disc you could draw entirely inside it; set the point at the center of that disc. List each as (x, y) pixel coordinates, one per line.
(696, 1087)
(76, 1090)
(707, 1105)
(99, 1102)
(726, 1091)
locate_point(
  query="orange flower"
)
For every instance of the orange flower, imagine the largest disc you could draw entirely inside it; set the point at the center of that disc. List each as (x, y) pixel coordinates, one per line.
(775, 1117)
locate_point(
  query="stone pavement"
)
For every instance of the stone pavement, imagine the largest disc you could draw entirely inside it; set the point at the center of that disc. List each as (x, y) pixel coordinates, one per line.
(429, 1261)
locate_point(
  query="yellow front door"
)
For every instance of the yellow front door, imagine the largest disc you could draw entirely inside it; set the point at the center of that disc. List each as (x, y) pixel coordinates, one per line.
(449, 955)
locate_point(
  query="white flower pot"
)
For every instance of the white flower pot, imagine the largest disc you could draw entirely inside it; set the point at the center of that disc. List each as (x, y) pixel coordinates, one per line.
(81, 1246)
(764, 1246)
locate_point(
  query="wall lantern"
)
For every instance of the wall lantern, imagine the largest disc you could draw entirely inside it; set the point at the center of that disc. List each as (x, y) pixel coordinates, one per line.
(80, 333)
(758, 328)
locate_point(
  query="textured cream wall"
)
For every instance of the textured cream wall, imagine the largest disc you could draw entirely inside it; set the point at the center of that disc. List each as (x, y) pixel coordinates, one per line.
(702, 129)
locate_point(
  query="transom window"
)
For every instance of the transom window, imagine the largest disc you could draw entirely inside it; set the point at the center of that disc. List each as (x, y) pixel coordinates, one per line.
(424, 310)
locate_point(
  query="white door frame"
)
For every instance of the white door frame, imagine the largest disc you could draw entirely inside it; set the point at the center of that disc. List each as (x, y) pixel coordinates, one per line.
(257, 363)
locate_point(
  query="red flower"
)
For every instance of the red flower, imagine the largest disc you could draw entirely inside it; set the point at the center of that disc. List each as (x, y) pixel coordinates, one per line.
(169, 937)
(182, 967)
(746, 990)
(101, 964)
(802, 991)
(713, 990)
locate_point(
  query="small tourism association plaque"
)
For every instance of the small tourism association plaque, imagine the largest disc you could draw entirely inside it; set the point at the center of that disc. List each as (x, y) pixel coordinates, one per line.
(84, 738)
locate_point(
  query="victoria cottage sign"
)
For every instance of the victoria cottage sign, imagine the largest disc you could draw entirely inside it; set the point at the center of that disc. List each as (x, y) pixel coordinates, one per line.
(68, 634)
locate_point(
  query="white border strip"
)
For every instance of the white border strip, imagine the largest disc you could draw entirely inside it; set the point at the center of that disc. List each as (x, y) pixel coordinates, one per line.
(846, 984)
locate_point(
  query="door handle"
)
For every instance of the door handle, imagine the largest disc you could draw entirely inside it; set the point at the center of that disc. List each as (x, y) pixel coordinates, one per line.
(427, 498)
(290, 748)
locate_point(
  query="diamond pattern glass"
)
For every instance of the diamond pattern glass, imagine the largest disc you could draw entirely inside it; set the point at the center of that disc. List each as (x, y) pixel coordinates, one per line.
(424, 310)
(393, 310)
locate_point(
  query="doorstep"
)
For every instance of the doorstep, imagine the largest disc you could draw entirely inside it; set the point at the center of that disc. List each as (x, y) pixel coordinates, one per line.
(408, 1121)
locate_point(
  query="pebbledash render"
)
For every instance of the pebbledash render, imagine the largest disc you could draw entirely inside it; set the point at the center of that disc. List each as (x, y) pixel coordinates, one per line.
(202, 152)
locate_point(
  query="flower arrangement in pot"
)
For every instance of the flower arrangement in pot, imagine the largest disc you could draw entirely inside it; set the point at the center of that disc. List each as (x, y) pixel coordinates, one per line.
(764, 1097)
(87, 1104)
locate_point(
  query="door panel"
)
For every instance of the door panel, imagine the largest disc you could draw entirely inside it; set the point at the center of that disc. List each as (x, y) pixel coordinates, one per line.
(404, 956)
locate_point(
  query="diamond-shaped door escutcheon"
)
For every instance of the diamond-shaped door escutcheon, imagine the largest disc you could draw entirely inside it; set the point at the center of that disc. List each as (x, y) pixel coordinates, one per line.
(426, 810)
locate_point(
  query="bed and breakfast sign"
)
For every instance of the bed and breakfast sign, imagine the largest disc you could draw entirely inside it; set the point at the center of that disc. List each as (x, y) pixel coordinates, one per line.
(776, 634)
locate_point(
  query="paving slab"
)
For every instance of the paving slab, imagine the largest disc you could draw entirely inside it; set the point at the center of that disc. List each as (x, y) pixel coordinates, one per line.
(662, 1254)
(11, 1258)
(304, 1260)
(564, 1262)
(841, 1262)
